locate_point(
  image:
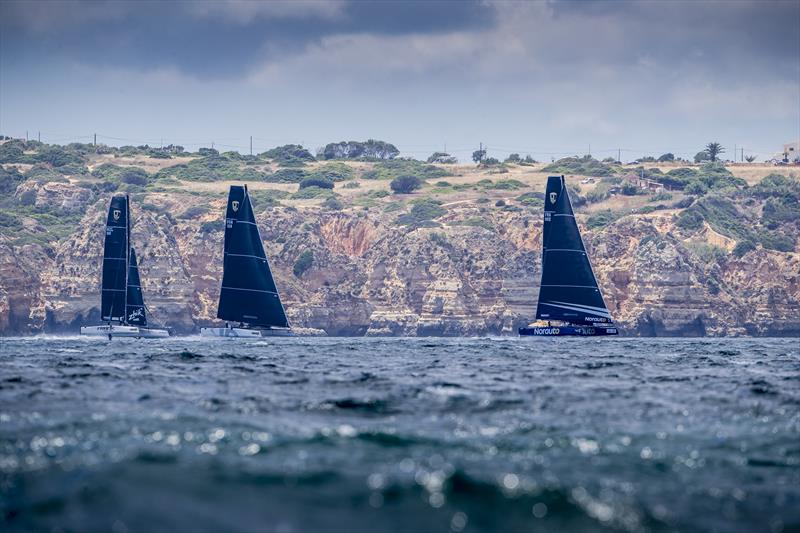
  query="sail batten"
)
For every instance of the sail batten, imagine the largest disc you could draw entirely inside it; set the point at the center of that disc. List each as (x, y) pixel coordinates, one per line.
(568, 290)
(248, 293)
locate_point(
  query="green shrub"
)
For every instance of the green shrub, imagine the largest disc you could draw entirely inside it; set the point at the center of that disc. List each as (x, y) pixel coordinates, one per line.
(696, 188)
(8, 221)
(194, 212)
(603, 218)
(333, 204)
(505, 184)
(351, 185)
(28, 197)
(423, 210)
(388, 170)
(584, 166)
(303, 262)
(743, 247)
(477, 222)
(289, 155)
(10, 180)
(531, 199)
(500, 203)
(780, 210)
(776, 241)
(405, 184)
(629, 189)
(690, 220)
(213, 167)
(211, 226)
(334, 171)
(312, 192)
(438, 238)
(265, 198)
(286, 175)
(322, 183)
(708, 253)
(660, 197)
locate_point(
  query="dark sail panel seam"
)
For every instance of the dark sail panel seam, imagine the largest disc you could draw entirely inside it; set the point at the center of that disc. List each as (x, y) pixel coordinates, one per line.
(251, 290)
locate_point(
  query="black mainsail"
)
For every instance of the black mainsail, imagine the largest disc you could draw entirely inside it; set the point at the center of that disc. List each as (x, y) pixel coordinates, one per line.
(248, 293)
(115, 260)
(569, 290)
(134, 307)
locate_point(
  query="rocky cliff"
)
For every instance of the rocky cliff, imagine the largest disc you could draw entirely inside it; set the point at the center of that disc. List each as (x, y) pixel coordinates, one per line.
(373, 275)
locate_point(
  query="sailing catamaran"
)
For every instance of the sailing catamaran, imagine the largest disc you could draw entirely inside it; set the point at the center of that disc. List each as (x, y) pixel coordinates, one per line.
(121, 302)
(570, 302)
(248, 295)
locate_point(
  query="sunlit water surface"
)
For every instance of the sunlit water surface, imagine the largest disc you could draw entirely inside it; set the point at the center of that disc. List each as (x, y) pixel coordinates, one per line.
(310, 434)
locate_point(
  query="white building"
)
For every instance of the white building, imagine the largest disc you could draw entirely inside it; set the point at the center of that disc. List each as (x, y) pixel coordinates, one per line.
(791, 152)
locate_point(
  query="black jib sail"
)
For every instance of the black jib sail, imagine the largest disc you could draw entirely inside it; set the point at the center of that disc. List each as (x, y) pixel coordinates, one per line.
(134, 308)
(115, 261)
(569, 290)
(248, 293)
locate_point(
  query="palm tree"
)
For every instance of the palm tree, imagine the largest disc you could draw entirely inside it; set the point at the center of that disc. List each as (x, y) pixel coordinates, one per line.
(713, 150)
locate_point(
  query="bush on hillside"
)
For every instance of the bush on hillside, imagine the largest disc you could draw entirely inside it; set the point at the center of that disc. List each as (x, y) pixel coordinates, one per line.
(334, 171)
(422, 212)
(666, 157)
(603, 218)
(333, 204)
(584, 166)
(322, 183)
(405, 184)
(10, 178)
(388, 170)
(212, 167)
(289, 155)
(303, 262)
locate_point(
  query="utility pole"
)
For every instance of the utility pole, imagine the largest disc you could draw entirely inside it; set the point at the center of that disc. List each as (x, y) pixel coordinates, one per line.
(39, 136)
(251, 145)
(619, 155)
(26, 135)
(95, 140)
(590, 150)
(212, 145)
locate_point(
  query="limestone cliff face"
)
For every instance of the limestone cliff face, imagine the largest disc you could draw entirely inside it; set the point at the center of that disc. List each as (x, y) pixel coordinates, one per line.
(371, 276)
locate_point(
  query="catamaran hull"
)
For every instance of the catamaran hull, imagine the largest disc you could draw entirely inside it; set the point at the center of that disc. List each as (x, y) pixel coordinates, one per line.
(563, 331)
(112, 331)
(245, 333)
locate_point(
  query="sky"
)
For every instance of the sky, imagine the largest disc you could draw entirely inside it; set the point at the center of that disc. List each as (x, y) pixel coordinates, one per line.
(550, 78)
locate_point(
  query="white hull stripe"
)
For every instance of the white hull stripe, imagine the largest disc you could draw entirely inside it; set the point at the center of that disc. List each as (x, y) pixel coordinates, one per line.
(579, 310)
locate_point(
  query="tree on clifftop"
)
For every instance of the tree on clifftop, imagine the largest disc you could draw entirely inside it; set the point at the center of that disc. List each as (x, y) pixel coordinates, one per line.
(478, 155)
(713, 150)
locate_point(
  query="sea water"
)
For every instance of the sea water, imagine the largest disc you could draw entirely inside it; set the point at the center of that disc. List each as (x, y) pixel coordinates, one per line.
(352, 434)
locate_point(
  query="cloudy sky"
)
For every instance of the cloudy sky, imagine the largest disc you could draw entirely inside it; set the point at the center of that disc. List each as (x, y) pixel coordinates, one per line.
(548, 78)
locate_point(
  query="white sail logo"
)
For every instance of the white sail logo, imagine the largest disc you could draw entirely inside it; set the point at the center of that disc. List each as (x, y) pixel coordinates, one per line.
(235, 205)
(136, 313)
(117, 214)
(553, 197)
